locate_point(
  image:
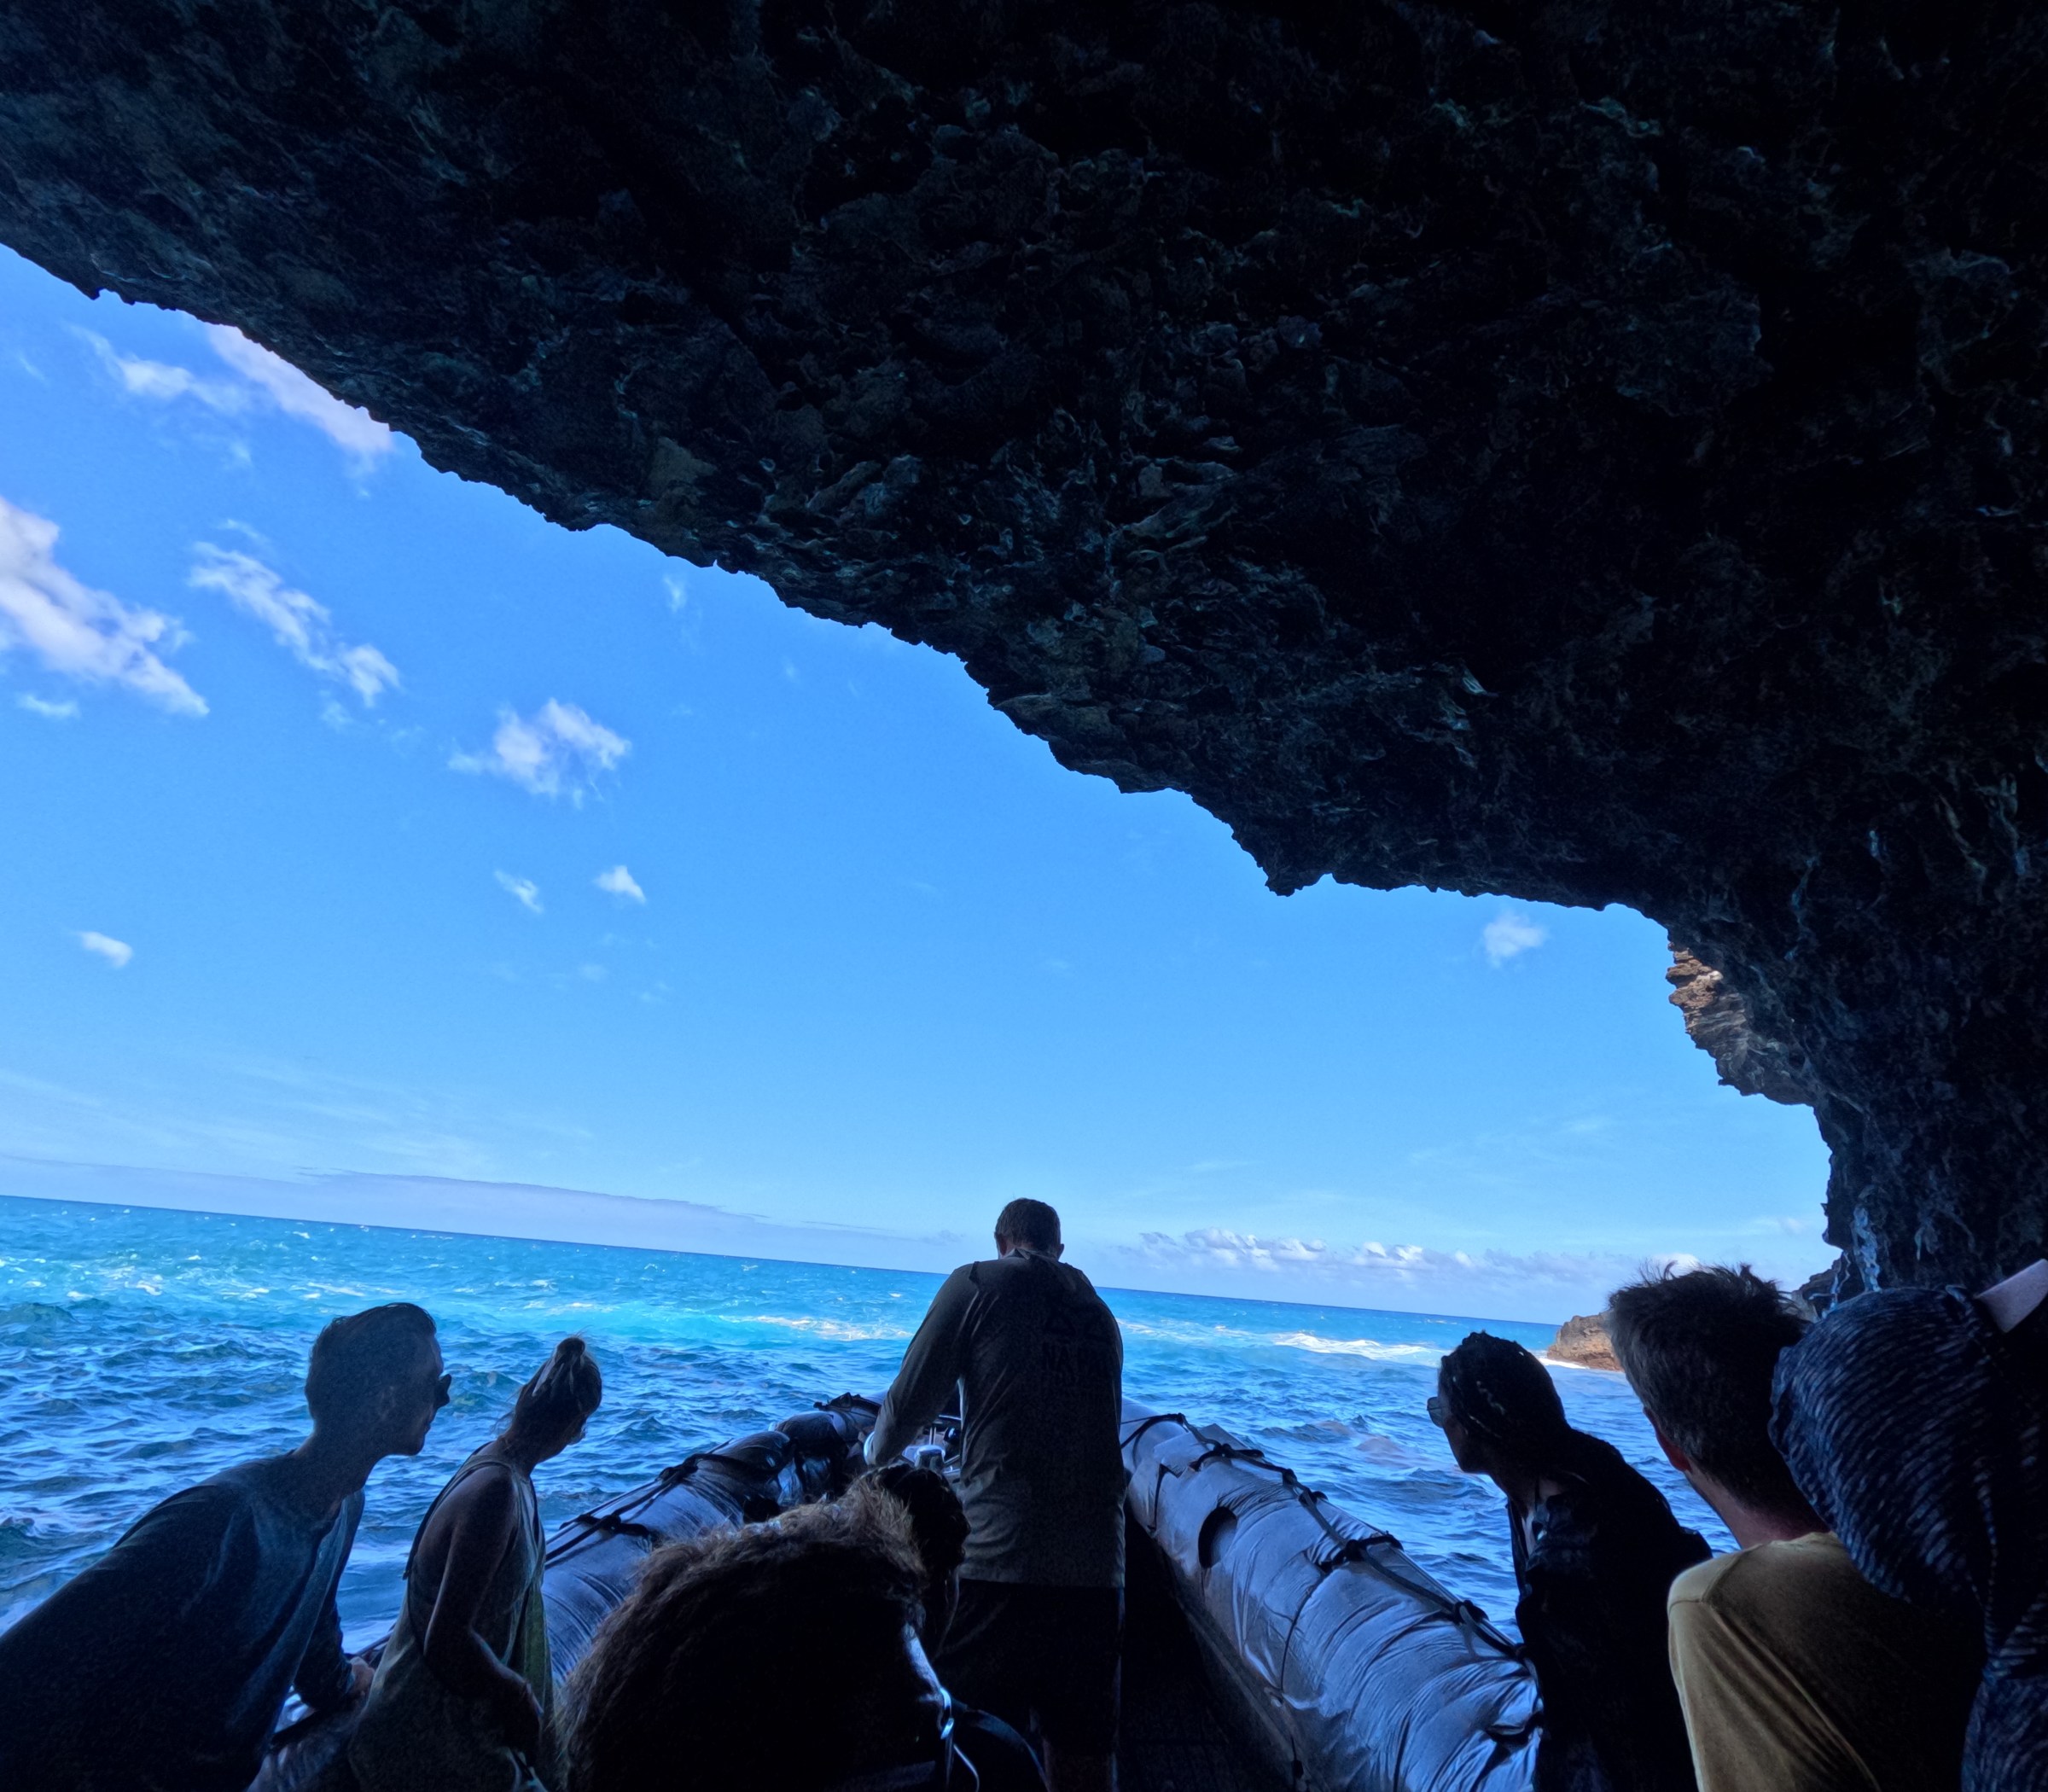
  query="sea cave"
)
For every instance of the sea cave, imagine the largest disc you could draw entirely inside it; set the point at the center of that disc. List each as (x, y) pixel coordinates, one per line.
(1570, 452)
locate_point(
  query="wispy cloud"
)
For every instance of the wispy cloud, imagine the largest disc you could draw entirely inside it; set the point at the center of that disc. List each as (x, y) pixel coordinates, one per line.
(522, 890)
(76, 632)
(256, 381)
(679, 593)
(299, 397)
(116, 952)
(619, 881)
(1509, 934)
(303, 627)
(64, 709)
(1447, 1281)
(557, 751)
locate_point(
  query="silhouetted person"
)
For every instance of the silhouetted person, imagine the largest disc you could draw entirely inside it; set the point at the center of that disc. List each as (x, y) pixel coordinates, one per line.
(1915, 1422)
(780, 1655)
(162, 1667)
(1035, 1359)
(1795, 1673)
(1596, 1549)
(1002, 1759)
(462, 1696)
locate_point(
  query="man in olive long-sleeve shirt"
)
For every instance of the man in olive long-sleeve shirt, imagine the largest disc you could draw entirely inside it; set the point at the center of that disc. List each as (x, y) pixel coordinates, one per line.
(162, 1667)
(1038, 1363)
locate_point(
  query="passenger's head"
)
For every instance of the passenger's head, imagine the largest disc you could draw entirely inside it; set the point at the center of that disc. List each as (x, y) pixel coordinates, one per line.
(1027, 1225)
(553, 1408)
(937, 1524)
(782, 1654)
(1700, 1349)
(1924, 1446)
(1500, 1408)
(374, 1379)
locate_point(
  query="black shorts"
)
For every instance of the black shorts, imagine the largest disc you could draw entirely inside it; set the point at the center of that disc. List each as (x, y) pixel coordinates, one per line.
(1043, 1658)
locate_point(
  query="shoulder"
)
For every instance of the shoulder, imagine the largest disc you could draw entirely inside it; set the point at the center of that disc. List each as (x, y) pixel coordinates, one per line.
(225, 1503)
(485, 1491)
(1810, 1574)
(1702, 1583)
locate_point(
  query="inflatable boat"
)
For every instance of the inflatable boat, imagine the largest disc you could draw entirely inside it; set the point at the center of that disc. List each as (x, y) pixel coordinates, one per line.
(1274, 1643)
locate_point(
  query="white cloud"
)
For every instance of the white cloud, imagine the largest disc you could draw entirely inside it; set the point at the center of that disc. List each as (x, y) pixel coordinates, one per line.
(299, 397)
(1509, 934)
(64, 709)
(523, 890)
(301, 624)
(619, 881)
(679, 593)
(558, 751)
(78, 632)
(1373, 1273)
(259, 381)
(116, 952)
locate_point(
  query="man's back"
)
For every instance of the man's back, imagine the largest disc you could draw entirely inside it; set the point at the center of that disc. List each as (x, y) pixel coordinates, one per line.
(1040, 1362)
(1797, 1675)
(163, 1664)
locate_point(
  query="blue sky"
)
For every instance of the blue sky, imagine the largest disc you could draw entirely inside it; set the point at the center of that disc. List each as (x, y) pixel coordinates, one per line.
(359, 822)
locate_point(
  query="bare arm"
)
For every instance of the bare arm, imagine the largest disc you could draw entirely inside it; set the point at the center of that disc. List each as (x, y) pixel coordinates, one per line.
(327, 1676)
(930, 1375)
(478, 1523)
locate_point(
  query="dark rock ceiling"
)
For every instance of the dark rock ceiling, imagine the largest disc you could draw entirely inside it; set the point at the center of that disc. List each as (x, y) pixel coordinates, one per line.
(1584, 450)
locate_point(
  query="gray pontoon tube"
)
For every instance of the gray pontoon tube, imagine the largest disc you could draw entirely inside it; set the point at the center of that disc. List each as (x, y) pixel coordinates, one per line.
(1354, 1670)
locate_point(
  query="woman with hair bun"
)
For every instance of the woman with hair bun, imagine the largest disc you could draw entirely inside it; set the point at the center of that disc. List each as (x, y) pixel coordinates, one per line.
(461, 1700)
(1595, 1551)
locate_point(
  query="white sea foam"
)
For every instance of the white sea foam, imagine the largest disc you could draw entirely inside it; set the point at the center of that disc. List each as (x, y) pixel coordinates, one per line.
(834, 1329)
(1357, 1347)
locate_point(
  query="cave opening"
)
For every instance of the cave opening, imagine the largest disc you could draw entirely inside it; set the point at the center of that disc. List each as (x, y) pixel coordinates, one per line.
(1580, 460)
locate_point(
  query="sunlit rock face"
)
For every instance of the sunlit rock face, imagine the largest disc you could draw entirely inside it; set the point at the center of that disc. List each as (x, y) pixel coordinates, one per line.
(1588, 451)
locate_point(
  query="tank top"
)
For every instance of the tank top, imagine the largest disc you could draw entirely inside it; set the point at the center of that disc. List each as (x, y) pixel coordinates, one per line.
(418, 1735)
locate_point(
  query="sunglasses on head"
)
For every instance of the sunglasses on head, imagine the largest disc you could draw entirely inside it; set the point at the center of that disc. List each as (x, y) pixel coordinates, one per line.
(1440, 1414)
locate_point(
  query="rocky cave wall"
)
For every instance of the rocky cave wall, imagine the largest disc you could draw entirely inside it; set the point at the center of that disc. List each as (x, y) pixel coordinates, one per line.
(1579, 451)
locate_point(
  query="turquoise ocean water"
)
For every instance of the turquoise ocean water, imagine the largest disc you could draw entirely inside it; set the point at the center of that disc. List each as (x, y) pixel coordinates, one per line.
(141, 1350)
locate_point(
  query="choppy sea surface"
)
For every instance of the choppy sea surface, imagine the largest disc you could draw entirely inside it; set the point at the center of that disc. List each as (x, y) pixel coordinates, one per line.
(141, 1350)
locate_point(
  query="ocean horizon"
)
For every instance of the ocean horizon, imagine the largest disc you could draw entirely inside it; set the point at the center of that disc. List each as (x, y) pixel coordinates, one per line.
(144, 1348)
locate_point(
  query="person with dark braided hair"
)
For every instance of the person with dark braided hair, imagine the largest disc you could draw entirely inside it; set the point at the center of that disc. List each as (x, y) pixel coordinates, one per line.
(1596, 1549)
(460, 1702)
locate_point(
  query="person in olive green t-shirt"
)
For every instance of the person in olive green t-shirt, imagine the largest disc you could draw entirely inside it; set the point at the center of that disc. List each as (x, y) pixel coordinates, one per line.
(1795, 1673)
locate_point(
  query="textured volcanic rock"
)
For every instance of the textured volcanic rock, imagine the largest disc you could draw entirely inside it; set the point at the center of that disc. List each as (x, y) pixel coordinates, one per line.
(1584, 1340)
(1717, 1020)
(1581, 450)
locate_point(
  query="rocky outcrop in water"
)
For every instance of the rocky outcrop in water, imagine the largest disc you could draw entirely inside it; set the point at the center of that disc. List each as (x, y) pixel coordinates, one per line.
(1584, 1342)
(1583, 452)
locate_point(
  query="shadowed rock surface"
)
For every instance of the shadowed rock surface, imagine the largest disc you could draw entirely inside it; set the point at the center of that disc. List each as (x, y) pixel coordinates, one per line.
(1578, 452)
(1717, 1020)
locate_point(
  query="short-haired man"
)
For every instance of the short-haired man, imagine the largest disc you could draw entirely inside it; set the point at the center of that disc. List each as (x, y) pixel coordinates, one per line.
(1796, 1675)
(1028, 1347)
(162, 1667)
